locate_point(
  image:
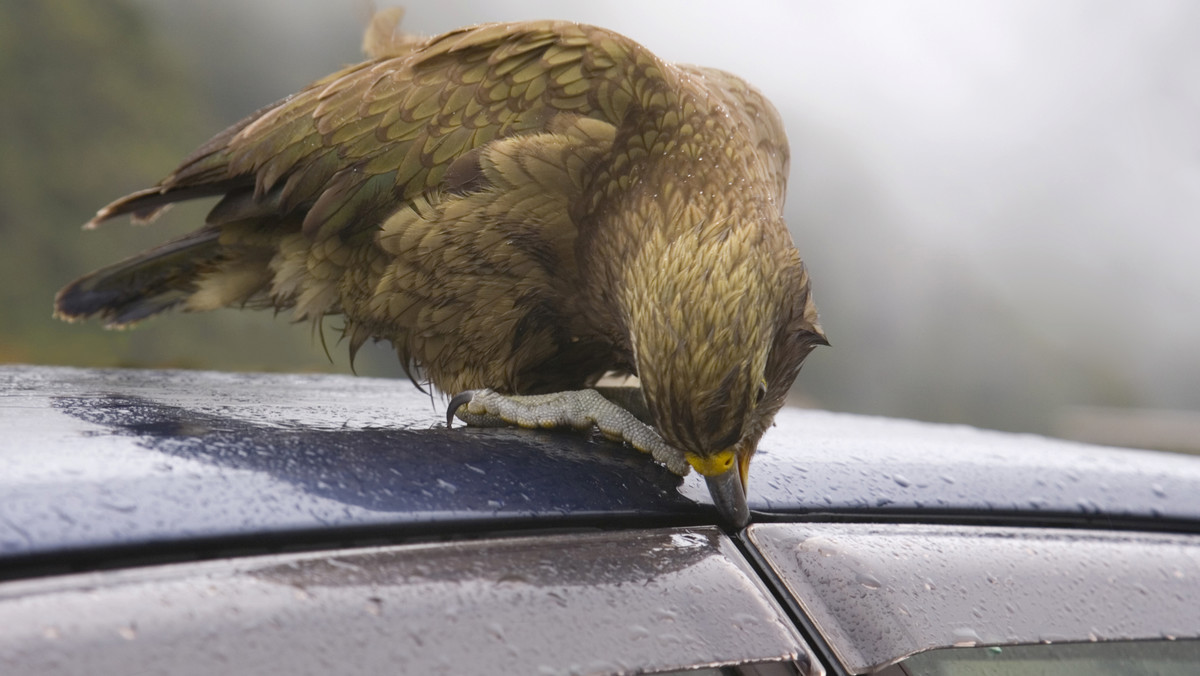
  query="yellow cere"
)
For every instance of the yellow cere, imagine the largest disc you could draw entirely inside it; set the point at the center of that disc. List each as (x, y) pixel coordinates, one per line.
(712, 465)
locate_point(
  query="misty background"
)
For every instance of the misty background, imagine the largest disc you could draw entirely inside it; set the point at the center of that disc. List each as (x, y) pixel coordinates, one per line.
(996, 200)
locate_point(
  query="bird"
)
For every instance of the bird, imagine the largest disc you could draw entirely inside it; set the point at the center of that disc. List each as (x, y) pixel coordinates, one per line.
(519, 209)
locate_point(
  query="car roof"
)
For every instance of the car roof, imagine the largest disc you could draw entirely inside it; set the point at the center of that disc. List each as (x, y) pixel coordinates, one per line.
(97, 461)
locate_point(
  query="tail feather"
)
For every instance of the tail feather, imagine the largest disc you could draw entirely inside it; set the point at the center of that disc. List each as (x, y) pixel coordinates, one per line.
(144, 285)
(204, 173)
(145, 205)
(195, 271)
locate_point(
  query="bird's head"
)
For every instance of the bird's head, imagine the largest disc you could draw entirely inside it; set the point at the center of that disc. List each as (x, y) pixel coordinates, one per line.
(720, 319)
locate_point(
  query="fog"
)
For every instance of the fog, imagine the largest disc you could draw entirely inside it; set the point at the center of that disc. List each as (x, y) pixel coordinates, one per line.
(996, 200)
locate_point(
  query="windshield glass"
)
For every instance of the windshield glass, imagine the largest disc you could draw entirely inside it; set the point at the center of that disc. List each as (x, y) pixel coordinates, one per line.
(878, 592)
(1124, 658)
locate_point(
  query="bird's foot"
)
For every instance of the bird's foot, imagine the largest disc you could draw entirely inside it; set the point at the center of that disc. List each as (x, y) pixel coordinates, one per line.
(577, 409)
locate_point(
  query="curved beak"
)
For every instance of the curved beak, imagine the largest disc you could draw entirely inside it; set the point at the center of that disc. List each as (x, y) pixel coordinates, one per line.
(730, 498)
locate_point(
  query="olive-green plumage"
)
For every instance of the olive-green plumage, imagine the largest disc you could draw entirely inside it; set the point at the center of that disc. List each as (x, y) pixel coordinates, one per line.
(521, 207)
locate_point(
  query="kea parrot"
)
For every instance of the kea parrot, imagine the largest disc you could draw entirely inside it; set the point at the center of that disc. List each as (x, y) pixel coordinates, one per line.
(519, 209)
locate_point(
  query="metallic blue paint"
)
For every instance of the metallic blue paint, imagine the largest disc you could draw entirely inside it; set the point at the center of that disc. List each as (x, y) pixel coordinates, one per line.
(96, 459)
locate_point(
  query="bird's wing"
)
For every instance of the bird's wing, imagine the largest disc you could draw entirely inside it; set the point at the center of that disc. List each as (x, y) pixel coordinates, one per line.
(345, 150)
(485, 281)
(446, 153)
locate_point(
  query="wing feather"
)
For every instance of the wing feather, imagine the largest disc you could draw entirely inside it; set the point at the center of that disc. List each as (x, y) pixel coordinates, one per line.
(431, 185)
(408, 117)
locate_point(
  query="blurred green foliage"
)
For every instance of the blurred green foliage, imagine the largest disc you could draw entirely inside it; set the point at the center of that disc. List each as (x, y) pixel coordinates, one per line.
(93, 107)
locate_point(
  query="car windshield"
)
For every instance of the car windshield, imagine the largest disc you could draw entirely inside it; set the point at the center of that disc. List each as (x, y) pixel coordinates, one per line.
(1120, 658)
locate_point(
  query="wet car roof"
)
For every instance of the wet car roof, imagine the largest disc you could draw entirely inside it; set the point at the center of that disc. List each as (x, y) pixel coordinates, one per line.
(95, 459)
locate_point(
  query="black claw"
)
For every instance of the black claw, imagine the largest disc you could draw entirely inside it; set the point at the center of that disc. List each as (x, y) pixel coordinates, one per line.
(456, 402)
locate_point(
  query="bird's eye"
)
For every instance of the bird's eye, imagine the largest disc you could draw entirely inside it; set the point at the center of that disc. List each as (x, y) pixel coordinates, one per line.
(760, 394)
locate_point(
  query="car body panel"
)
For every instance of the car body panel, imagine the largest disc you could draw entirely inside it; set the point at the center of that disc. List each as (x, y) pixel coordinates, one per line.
(816, 461)
(598, 603)
(95, 459)
(880, 592)
(100, 459)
